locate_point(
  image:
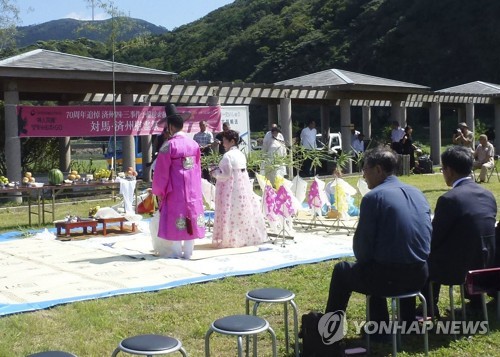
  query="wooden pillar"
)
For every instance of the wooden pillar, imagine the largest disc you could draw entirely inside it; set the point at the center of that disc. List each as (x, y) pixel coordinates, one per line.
(325, 123)
(397, 112)
(147, 152)
(128, 148)
(497, 130)
(345, 129)
(64, 148)
(404, 115)
(147, 156)
(435, 132)
(469, 116)
(12, 141)
(367, 121)
(286, 124)
(64, 153)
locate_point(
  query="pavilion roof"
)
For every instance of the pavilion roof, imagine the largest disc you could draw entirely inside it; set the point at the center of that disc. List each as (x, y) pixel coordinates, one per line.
(473, 88)
(341, 79)
(56, 65)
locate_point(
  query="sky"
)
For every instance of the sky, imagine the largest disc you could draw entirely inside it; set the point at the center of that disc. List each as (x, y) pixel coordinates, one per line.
(167, 13)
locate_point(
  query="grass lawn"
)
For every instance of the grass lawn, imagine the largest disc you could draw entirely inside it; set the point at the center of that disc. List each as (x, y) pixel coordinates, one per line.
(94, 328)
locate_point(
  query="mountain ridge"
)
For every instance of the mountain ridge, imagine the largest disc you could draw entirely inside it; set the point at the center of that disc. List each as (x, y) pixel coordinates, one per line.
(73, 29)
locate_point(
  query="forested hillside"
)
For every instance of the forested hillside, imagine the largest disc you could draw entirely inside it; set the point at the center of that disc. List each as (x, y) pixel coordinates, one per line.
(434, 43)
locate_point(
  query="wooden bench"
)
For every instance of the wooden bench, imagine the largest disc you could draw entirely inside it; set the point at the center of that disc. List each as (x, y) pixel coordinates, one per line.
(68, 226)
(105, 221)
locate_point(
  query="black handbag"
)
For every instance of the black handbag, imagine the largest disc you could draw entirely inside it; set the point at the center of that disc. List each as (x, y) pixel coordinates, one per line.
(312, 343)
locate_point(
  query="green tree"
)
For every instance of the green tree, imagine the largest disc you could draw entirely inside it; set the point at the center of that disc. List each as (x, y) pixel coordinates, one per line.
(9, 19)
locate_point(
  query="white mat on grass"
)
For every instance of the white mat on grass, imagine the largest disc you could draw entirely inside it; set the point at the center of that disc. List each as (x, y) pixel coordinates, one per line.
(37, 273)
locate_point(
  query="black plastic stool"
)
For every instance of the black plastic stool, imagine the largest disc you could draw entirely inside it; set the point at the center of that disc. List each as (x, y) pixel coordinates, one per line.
(240, 325)
(52, 354)
(273, 296)
(149, 345)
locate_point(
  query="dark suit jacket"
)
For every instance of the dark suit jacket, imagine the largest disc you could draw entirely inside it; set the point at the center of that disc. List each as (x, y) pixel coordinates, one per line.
(463, 232)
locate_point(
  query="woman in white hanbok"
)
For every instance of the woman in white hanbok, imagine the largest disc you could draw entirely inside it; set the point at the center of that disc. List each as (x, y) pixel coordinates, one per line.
(239, 220)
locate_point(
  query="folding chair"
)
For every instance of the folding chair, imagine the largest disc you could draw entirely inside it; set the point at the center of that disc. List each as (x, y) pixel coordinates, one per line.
(482, 282)
(493, 169)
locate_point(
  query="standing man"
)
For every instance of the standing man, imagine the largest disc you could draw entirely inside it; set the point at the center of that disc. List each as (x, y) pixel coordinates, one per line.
(308, 141)
(464, 137)
(270, 137)
(463, 228)
(397, 133)
(354, 133)
(483, 157)
(205, 139)
(391, 243)
(218, 137)
(177, 184)
(358, 147)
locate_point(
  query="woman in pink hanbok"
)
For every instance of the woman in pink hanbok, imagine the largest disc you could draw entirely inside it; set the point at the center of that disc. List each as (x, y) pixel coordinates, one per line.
(238, 218)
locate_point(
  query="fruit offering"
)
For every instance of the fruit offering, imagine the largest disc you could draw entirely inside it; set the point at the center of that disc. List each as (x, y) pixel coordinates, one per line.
(4, 180)
(102, 174)
(28, 178)
(73, 175)
(56, 177)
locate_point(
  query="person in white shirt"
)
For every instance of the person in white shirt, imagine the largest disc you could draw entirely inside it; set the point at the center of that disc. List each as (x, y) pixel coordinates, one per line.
(354, 133)
(358, 145)
(308, 141)
(268, 138)
(397, 133)
(308, 136)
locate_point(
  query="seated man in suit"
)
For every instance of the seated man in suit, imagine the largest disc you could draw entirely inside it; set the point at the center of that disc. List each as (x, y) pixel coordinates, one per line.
(463, 228)
(391, 243)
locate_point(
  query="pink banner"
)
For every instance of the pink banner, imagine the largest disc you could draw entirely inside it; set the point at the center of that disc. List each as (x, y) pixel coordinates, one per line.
(85, 121)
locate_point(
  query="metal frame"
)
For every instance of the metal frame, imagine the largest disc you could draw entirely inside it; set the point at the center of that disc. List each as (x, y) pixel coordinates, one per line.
(396, 317)
(239, 335)
(284, 301)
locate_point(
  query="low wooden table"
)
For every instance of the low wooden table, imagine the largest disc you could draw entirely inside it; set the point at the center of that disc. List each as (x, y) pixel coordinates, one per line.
(68, 226)
(105, 221)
